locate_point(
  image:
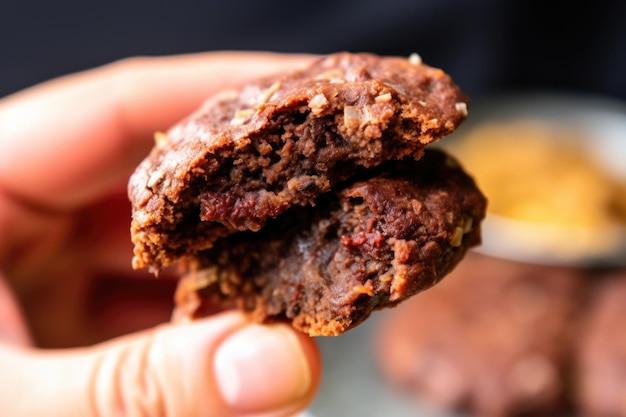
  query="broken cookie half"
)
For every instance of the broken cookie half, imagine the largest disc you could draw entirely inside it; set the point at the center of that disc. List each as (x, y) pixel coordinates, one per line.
(308, 197)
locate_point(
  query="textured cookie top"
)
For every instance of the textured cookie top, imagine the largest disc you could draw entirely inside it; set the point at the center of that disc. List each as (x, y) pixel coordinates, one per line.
(247, 156)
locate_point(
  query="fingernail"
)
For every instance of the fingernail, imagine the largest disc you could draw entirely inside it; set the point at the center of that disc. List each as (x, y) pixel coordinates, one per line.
(260, 368)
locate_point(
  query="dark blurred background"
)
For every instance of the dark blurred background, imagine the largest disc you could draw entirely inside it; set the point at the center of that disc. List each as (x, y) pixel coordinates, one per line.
(486, 45)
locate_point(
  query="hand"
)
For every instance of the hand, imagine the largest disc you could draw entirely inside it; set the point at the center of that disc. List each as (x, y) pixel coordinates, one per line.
(67, 148)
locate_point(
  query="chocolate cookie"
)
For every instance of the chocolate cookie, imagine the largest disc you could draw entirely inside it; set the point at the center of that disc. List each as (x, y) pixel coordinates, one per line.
(247, 156)
(494, 339)
(394, 232)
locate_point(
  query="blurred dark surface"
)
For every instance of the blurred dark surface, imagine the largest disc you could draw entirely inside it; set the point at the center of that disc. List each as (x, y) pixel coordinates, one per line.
(486, 45)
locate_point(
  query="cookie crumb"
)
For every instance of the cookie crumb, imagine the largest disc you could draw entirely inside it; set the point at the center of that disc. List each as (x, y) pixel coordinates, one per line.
(267, 94)
(383, 98)
(241, 117)
(457, 237)
(415, 59)
(461, 107)
(318, 104)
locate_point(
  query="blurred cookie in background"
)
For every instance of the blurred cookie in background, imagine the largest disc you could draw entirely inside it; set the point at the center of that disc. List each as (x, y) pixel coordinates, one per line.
(601, 353)
(493, 339)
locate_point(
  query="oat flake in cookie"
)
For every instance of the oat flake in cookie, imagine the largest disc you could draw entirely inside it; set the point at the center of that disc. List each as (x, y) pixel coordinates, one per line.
(247, 156)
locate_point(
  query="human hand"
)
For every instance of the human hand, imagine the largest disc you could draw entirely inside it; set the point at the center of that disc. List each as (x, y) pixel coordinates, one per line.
(67, 148)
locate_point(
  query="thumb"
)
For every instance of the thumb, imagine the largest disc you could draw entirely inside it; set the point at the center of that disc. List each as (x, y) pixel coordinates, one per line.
(222, 366)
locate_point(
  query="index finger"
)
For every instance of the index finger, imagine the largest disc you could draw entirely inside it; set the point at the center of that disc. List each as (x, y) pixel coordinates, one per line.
(68, 141)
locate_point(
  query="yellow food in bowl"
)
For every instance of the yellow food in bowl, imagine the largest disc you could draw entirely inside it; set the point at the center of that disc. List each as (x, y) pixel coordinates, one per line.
(541, 173)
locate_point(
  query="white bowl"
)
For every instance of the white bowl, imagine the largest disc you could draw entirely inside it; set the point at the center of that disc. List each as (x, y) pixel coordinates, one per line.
(602, 124)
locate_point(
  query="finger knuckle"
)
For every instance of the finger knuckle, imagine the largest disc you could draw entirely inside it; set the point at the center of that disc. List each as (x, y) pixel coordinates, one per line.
(125, 383)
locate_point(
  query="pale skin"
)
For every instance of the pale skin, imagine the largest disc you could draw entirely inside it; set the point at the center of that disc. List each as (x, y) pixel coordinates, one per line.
(67, 148)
